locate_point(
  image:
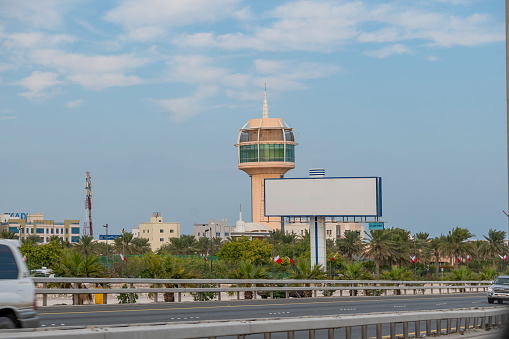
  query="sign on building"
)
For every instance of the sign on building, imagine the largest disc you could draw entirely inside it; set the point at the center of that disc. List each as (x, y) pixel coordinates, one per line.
(376, 226)
(109, 236)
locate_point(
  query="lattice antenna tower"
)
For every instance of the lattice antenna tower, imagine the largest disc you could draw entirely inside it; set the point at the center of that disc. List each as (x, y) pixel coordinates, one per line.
(87, 227)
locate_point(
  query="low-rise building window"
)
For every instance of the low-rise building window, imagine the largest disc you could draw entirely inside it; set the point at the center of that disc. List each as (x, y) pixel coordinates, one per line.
(161, 231)
(171, 231)
(161, 239)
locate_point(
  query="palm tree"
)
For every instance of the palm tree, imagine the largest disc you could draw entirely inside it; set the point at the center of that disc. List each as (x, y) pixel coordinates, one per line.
(304, 271)
(434, 250)
(356, 271)
(494, 244)
(141, 246)
(402, 245)
(76, 265)
(247, 270)
(185, 245)
(123, 243)
(455, 244)
(8, 235)
(217, 243)
(85, 244)
(203, 246)
(32, 239)
(380, 248)
(350, 244)
(55, 238)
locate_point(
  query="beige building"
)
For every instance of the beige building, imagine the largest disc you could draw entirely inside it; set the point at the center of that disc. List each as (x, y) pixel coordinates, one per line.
(333, 230)
(28, 224)
(158, 232)
(266, 149)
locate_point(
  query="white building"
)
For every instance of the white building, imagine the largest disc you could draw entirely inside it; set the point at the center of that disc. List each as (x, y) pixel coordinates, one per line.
(219, 229)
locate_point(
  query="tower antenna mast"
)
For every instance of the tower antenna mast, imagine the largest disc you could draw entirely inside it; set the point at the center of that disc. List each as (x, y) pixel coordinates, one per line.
(87, 227)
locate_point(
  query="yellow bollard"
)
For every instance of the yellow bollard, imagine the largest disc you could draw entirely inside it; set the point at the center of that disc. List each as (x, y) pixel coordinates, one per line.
(99, 297)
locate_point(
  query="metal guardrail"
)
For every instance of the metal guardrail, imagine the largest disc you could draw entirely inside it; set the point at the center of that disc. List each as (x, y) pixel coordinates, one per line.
(464, 320)
(265, 287)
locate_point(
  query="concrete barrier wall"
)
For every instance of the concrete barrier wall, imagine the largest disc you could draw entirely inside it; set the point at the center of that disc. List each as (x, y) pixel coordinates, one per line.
(478, 318)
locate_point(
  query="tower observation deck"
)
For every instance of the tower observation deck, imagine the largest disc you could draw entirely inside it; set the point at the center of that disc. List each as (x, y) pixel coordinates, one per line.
(266, 149)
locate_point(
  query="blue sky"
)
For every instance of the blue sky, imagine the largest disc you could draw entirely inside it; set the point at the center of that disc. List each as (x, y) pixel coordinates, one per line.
(149, 96)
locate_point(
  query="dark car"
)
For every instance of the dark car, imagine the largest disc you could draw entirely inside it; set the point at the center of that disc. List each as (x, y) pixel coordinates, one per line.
(499, 290)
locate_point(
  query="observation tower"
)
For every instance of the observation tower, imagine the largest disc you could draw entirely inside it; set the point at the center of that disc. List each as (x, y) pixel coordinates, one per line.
(266, 149)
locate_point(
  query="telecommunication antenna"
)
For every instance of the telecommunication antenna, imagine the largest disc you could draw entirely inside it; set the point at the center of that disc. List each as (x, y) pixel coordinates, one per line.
(87, 227)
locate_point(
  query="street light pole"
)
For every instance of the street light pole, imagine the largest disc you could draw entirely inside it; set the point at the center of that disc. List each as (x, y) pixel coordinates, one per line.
(210, 251)
(123, 230)
(107, 262)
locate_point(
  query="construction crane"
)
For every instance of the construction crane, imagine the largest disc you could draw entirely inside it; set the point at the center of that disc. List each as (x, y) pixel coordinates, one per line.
(87, 227)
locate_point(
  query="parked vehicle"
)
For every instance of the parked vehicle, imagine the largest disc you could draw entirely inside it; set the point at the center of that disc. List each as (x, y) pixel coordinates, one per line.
(499, 290)
(18, 307)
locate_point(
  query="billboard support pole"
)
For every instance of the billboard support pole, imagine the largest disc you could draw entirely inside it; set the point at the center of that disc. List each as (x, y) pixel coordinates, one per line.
(318, 242)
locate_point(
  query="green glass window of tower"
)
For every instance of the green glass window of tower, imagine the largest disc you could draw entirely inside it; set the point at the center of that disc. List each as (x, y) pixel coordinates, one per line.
(268, 152)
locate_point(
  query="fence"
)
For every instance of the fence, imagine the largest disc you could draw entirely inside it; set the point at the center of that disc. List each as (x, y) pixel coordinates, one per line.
(462, 319)
(263, 288)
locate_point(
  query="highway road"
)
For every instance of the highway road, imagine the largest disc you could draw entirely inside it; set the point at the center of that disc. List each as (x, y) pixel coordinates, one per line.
(55, 316)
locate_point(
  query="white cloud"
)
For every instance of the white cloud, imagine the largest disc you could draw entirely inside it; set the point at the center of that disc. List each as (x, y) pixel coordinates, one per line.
(8, 117)
(269, 66)
(6, 67)
(38, 83)
(181, 109)
(387, 51)
(74, 103)
(36, 40)
(432, 58)
(80, 63)
(324, 26)
(152, 16)
(195, 69)
(38, 13)
(99, 81)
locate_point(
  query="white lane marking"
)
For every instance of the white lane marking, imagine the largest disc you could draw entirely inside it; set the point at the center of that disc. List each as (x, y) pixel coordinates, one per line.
(62, 324)
(43, 325)
(399, 306)
(441, 304)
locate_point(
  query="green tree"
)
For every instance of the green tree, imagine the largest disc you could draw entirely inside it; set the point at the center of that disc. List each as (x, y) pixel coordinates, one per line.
(494, 245)
(350, 244)
(55, 238)
(304, 271)
(356, 271)
(244, 249)
(403, 246)
(41, 255)
(380, 248)
(77, 265)
(456, 244)
(203, 246)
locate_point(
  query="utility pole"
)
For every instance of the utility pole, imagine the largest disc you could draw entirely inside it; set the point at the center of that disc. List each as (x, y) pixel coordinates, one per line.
(415, 256)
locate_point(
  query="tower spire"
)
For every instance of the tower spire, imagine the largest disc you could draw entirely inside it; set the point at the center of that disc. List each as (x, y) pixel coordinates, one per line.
(265, 105)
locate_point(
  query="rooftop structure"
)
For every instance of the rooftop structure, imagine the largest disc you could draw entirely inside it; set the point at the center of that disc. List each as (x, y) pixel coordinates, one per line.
(266, 149)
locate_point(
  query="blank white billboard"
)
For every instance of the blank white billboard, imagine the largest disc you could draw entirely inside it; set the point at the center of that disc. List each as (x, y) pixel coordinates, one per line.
(324, 197)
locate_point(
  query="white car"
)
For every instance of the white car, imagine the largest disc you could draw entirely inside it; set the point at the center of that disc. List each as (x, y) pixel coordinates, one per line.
(18, 307)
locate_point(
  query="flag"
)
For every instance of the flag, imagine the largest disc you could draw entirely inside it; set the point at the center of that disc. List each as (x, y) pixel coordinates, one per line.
(278, 260)
(204, 257)
(504, 258)
(25, 257)
(468, 258)
(291, 261)
(414, 259)
(123, 258)
(332, 259)
(459, 260)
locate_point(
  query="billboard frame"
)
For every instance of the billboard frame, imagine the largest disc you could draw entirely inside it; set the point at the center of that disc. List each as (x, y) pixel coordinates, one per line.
(378, 199)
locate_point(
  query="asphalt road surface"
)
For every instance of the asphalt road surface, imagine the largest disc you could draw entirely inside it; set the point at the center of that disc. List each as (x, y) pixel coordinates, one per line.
(56, 316)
